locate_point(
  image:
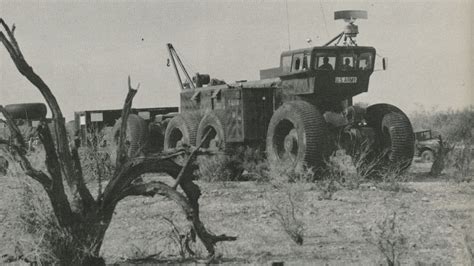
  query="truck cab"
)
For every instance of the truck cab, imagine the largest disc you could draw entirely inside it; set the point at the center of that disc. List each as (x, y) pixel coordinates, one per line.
(337, 73)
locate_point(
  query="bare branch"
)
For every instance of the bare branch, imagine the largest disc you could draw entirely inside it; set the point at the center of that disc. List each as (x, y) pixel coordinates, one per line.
(8, 45)
(72, 174)
(37, 175)
(11, 35)
(189, 161)
(191, 212)
(10, 144)
(14, 130)
(130, 171)
(121, 149)
(53, 164)
(19, 151)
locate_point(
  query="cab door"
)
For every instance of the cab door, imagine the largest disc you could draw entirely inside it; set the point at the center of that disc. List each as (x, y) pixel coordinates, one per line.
(258, 109)
(299, 78)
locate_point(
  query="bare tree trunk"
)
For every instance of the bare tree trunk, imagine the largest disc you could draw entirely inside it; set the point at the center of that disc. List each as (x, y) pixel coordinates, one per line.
(85, 218)
(439, 163)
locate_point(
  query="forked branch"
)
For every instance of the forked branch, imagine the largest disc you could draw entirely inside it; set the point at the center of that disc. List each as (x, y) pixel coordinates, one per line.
(187, 168)
(20, 150)
(121, 149)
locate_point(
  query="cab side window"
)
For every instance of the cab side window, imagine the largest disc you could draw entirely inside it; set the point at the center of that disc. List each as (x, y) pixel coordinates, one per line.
(306, 61)
(325, 62)
(347, 62)
(365, 61)
(297, 64)
(286, 63)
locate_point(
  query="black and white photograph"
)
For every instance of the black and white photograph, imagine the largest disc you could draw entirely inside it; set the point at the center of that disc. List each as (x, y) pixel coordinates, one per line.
(237, 132)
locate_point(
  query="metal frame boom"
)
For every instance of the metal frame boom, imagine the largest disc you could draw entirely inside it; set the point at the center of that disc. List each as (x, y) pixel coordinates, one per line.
(175, 57)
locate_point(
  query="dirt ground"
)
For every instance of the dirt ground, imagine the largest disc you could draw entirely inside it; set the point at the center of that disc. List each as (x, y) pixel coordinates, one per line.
(436, 216)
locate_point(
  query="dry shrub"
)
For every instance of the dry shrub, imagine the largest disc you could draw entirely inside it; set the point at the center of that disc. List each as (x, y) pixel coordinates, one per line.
(176, 238)
(286, 172)
(239, 164)
(287, 198)
(254, 163)
(286, 209)
(393, 179)
(389, 239)
(455, 160)
(461, 160)
(40, 239)
(96, 159)
(218, 168)
(350, 171)
(456, 129)
(172, 246)
(454, 125)
(366, 164)
(340, 169)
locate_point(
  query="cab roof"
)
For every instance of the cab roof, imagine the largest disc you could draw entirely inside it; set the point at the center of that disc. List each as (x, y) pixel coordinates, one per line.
(328, 48)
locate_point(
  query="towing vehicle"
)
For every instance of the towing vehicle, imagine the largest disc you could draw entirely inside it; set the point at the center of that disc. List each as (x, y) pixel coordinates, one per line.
(297, 109)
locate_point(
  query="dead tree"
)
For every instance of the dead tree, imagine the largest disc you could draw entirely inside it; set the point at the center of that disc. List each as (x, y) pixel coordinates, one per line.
(84, 217)
(441, 157)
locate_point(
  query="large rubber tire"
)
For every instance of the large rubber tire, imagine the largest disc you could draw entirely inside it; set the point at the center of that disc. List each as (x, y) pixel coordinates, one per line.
(394, 135)
(228, 167)
(71, 130)
(157, 135)
(181, 130)
(217, 139)
(29, 111)
(297, 133)
(137, 134)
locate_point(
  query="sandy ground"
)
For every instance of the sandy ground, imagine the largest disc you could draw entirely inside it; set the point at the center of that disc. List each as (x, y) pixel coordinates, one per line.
(436, 216)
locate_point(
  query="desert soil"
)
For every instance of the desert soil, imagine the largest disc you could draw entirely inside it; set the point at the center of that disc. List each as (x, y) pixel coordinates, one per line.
(435, 215)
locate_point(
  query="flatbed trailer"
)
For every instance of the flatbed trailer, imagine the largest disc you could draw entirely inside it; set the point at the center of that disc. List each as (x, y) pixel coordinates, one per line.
(92, 120)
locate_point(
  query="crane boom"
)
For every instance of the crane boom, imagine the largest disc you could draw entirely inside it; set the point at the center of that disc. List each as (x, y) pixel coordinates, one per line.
(175, 57)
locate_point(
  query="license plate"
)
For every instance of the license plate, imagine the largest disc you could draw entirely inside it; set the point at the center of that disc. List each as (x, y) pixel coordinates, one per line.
(346, 79)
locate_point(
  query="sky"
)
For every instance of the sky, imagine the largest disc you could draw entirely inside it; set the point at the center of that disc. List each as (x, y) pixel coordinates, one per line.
(85, 50)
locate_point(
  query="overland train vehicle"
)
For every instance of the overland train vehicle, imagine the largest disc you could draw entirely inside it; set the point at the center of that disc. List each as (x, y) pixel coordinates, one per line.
(297, 109)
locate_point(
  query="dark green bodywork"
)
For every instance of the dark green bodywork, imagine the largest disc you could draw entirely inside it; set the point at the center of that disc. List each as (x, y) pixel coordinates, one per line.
(248, 106)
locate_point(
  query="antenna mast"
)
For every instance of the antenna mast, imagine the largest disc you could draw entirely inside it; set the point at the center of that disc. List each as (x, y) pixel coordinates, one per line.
(288, 24)
(350, 30)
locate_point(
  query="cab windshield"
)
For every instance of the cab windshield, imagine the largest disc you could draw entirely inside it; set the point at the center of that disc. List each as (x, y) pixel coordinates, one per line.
(344, 61)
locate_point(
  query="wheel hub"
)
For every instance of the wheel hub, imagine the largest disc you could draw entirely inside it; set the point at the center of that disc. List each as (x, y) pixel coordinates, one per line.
(290, 144)
(214, 144)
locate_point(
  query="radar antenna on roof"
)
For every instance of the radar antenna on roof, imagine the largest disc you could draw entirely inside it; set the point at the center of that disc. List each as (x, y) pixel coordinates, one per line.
(350, 30)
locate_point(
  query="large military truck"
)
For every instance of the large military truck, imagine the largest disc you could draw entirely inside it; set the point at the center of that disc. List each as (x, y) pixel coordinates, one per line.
(297, 109)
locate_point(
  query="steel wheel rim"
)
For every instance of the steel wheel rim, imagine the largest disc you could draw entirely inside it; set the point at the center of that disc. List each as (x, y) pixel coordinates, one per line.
(176, 139)
(213, 141)
(285, 141)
